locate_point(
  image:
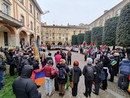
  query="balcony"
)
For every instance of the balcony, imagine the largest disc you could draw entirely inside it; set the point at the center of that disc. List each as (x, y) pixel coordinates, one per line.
(10, 20)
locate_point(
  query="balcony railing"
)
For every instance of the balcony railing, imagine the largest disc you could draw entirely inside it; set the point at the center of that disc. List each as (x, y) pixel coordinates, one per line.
(10, 20)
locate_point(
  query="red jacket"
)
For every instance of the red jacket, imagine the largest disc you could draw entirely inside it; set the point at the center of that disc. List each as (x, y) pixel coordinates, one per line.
(49, 70)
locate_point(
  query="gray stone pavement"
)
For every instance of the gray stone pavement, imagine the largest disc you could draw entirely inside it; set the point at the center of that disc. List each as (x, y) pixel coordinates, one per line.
(112, 92)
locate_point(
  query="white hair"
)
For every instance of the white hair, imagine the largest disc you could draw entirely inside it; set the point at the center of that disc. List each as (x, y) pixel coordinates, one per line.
(89, 61)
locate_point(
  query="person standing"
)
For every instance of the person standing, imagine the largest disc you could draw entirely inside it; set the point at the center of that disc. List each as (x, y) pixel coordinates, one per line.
(2, 69)
(24, 86)
(49, 69)
(88, 72)
(62, 76)
(106, 66)
(75, 74)
(98, 68)
(69, 54)
(57, 57)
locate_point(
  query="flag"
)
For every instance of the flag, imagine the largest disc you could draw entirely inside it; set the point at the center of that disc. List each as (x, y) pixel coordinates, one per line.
(91, 44)
(38, 76)
(129, 87)
(35, 49)
(103, 48)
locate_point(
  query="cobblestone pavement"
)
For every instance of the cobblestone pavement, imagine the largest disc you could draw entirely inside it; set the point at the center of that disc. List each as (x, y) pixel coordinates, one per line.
(112, 92)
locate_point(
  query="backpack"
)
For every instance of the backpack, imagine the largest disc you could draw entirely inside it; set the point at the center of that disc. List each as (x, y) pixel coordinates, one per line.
(102, 75)
(62, 73)
(90, 72)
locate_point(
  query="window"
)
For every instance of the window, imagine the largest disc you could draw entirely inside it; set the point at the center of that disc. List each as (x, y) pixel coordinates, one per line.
(47, 34)
(30, 8)
(107, 17)
(118, 12)
(53, 34)
(53, 37)
(31, 25)
(101, 22)
(59, 34)
(74, 32)
(59, 37)
(46, 37)
(6, 38)
(22, 19)
(38, 29)
(21, 1)
(66, 38)
(37, 16)
(6, 8)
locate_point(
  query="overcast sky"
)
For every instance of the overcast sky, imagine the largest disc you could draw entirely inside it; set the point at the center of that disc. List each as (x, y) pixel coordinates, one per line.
(74, 12)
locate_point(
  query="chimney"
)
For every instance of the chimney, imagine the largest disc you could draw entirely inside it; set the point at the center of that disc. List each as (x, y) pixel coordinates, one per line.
(105, 11)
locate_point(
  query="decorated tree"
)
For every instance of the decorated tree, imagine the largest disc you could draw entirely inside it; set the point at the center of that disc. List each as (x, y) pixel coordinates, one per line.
(74, 40)
(109, 33)
(80, 38)
(87, 37)
(96, 35)
(123, 27)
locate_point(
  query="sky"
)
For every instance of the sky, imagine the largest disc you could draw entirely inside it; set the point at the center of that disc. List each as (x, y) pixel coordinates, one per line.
(74, 12)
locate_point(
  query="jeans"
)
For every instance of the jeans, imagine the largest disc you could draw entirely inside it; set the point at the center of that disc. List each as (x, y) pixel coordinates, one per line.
(48, 85)
(1, 79)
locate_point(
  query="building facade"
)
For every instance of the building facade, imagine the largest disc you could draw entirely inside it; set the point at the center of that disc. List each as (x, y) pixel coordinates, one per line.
(113, 12)
(61, 34)
(20, 22)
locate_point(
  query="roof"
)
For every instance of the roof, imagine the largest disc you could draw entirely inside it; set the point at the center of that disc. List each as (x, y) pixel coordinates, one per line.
(107, 12)
(73, 26)
(38, 7)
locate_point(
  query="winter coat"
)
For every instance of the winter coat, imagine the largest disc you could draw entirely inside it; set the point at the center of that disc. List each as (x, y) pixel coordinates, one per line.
(85, 72)
(125, 67)
(2, 64)
(24, 86)
(48, 70)
(98, 69)
(63, 81)
(77, 73)
(57, 58)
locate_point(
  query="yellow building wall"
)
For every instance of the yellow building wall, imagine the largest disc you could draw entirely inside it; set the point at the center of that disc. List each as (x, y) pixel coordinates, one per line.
(1, 39)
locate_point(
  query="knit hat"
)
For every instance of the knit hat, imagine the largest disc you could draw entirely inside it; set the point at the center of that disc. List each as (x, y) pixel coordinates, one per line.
(62, 61)
(76, 63)
(89, 60)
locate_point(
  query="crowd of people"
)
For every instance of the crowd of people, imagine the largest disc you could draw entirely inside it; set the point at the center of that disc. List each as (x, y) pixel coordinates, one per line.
(99, 65)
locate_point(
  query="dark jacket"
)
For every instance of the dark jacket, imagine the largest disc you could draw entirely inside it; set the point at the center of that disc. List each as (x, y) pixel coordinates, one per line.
(85, 72)
(2, 64)
(23, 86)
(98, 69)
(35, 64)
(77, 73)
(63, 81)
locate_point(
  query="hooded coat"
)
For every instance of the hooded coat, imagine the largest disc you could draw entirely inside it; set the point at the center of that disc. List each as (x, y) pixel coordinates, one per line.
(24, 86)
